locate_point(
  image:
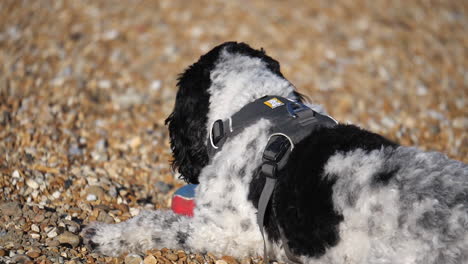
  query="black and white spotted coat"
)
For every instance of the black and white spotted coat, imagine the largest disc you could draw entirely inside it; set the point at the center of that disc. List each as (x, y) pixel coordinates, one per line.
(346, 195)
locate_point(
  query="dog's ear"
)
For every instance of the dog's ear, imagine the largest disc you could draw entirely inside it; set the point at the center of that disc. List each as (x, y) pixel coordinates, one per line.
(188, 122)
(187, 125)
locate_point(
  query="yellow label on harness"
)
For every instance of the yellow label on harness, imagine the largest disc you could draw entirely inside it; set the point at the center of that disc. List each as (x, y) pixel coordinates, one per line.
(273, 103)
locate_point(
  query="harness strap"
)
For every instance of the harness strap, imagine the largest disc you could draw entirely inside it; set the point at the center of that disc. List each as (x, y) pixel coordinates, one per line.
(262, 206)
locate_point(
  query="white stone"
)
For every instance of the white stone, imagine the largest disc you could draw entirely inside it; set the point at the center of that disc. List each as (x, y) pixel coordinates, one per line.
(134, 211)
(32, 184)
(35, 228)
(155, 85)
(104, 84)
(56, 194)
(16, 174)
(91, 197)
(52, 233)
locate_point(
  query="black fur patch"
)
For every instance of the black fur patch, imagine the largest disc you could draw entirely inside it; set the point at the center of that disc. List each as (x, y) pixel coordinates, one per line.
(383, 177)
(302, 199)
(181, 238)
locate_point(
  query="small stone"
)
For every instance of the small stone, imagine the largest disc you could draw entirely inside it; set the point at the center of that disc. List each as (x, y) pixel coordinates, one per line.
(172, 257)
(10, 208)
(33, 254)
(150, 260)
(3, 253)
(74, 150)
(20, 258)
(134, 211)
(94, 193)
(69, 238)
(38, 218)
(52, 233)
(35, 228)
(221, 262)
(35, 236)
(135, 142)
(32, 184)
(56, 194)
(105, 217)
(16, 174)
(104, 84)
(53, 243)
(155, 85)
(230, 260)
(133, 259)
(91, 197)
(246, 260)
(72, 226)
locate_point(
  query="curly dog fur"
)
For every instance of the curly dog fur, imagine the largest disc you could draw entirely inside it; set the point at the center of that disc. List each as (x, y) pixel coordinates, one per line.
(346, 195)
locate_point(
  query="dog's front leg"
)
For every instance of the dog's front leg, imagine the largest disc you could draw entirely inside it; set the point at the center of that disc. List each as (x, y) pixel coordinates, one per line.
(150, 229)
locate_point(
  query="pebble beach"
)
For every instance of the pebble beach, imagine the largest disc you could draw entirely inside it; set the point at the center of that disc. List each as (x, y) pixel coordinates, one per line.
(85, 87)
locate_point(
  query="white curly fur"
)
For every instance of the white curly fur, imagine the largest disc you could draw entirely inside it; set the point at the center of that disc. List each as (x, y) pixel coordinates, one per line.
(407, 221)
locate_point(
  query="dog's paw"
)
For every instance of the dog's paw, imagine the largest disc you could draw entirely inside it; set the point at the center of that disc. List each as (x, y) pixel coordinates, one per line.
(102, 238)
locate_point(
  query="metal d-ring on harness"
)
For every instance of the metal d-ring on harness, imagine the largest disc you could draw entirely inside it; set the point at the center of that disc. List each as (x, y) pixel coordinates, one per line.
(291, 122)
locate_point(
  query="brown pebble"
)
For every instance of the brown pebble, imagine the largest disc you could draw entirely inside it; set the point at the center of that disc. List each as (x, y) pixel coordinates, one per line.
(69, 238)
(230, 260)
(20, 258)
(53, 243)
(172, 257)
(246, 260)
(10, 208)
(132, 259)
(38, 218)
(33, 254)
(3, 253)
(150, 260)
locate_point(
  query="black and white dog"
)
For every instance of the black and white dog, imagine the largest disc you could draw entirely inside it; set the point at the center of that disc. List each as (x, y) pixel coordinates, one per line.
(346, 195)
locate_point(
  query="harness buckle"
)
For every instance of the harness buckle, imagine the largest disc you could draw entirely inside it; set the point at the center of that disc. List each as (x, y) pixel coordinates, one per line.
(277, 146)
(217, 131)
(269, 169)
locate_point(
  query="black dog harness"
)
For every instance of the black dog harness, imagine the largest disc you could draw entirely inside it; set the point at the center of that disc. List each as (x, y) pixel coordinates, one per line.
(292, 122)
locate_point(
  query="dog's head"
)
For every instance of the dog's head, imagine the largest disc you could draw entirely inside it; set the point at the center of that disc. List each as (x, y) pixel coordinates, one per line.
(219, 84)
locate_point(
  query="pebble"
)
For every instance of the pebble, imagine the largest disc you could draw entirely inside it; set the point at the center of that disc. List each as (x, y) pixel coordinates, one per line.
(172, 257)
(91, 197)
(52, 233)
(133, 259)
(35, 228)
(53, 243)
(72, 226)
(230, 260)
(20, 258)
(94, 193)
(246, 260)
(134, 211)
(69, 238)
(150, 260)
(33, 254)
(38, 218)
(10, 208)
(35, 236)
(32, 184)
(16, 174)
